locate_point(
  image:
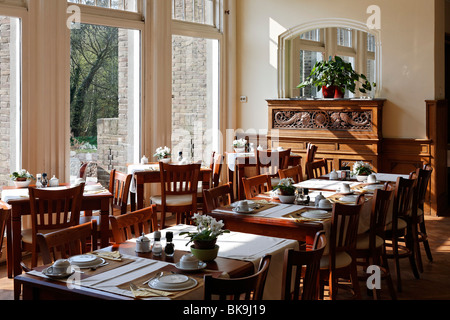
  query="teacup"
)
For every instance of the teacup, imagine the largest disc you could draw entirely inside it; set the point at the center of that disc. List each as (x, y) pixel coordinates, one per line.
(60, 266)
(243, 206)
(189, 261)
(324, 204)
(372, 178)
(345, 188)
(333, 175)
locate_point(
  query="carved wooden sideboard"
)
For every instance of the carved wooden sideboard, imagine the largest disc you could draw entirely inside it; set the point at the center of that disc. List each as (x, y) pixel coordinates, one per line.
(345, 130)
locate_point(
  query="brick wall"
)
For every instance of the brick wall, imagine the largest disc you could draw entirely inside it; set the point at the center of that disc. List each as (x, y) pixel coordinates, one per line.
(5, 99)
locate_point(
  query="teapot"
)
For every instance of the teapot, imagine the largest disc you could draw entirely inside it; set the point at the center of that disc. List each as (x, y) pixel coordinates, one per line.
(334, 175)
(143, 244)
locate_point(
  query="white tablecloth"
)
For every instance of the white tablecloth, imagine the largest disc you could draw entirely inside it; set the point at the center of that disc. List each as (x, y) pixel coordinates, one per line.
(231, 158)
(140, 167)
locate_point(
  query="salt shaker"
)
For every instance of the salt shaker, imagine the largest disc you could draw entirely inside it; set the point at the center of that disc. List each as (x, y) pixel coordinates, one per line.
(39, 180)
(157, 247)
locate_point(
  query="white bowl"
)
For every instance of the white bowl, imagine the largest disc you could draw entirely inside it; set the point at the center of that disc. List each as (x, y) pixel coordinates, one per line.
(22, 184)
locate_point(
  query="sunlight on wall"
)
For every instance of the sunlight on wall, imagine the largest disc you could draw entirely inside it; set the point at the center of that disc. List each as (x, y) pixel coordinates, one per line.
(275, 29)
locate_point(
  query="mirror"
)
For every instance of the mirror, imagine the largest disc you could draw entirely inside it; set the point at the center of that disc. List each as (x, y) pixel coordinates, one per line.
(301, 47)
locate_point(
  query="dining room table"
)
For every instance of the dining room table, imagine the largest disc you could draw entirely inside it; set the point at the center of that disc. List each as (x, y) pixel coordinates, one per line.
(129, 275)
(18, 199)
(300, 221)
(143, 174)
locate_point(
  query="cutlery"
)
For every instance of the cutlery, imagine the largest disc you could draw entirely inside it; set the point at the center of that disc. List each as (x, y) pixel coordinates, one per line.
(159, 275)
(101, 265)
(135, 288)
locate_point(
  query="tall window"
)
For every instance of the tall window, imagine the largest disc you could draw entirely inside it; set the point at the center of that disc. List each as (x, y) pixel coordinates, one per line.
(10, 97)
(105, 97)
(195, 106)
(124, 5)
(198, 11)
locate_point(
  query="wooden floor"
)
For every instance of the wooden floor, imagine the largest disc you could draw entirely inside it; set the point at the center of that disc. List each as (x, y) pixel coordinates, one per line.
(433, 285)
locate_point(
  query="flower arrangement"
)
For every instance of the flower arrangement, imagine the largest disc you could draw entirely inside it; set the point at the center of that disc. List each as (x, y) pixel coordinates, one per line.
(208, 229)
(362, 169)
(286, 187)
(162, 153)
(21, 175)
(241, 143)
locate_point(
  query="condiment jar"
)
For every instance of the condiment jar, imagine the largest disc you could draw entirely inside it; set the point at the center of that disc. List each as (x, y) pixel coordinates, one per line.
(54, 182)
(144, 160)
(143, 244)
(317, 200)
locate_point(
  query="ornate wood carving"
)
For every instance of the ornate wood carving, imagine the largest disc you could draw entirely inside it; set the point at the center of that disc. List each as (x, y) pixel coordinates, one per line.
(324, 119)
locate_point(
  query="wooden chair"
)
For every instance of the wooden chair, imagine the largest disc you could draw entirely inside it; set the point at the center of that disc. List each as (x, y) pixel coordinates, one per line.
(216, 165)
(295, 173)
(133, 224)
(370, 246)
(251, 287)
(218, 197)
(179, 188)
(82, 172)
(5, 213)
(398, 230)
(256, 185)
(417, 218)
(270, 162)
(307, 265)
(316, 169)
(68, 242)
(341, 258)
(311, 150)
(51, 210)
(119, 186)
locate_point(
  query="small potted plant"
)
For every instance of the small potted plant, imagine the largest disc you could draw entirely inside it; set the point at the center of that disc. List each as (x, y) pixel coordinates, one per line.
(286, 190)
(205, 237)
(362, 170)
(163, 154)
(239, 145)
(21, 178)
(336, 76)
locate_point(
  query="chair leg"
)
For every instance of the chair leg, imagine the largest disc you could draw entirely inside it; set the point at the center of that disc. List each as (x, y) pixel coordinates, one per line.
(411, 245)
(355, 282)
(388, 276)
(426, 245)
(397, 263)
(416, 244)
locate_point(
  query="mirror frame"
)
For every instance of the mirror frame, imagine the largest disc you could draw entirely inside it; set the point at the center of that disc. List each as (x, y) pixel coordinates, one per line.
(284, 67)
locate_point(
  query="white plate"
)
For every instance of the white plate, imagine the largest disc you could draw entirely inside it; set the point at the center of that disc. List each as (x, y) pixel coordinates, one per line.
(373, 187)
(316, 214)
(349, 199)
(58, 275)
(250, 203)
(201, 265)
(94, 187)
(86, 261)
(173, 280)
(250, 210)
(158, 285)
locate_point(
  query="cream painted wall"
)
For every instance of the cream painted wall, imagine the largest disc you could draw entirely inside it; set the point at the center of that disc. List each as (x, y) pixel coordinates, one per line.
(408, 65)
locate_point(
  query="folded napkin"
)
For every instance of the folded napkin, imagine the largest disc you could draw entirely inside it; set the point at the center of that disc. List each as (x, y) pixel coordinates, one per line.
(147, 292)
(115, 255)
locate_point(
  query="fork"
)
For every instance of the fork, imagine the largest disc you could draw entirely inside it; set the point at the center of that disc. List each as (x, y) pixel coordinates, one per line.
(157, 276)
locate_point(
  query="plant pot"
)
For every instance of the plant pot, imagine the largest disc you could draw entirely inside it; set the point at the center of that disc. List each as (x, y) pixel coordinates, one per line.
(286, 199)
(328, 92)
(205, 244)
(22, 183)
(205, 254)
(339, 93)
(165, 160)
(239, 150)
(361, 177)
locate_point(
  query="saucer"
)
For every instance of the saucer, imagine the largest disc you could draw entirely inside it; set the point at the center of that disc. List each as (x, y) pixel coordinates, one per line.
(201, 265)
(250, 203)
(94, 187)
(317, 214)
(86, 261)
(57, 275)
(250, 210)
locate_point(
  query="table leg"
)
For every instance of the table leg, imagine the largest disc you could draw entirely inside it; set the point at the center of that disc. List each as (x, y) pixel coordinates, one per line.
(9, 253)
(140, 195)
(104, 222)
(133, 201)
(16, 252)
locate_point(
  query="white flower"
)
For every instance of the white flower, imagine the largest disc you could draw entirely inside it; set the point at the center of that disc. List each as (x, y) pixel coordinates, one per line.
(162, 152)
(239, 143)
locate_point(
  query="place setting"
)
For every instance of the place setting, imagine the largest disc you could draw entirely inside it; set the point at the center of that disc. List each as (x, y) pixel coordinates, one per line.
(94, 189)
(250, 206)
(310, 214)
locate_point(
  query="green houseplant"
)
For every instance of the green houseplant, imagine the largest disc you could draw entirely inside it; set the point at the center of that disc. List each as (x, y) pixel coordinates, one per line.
(334, 77)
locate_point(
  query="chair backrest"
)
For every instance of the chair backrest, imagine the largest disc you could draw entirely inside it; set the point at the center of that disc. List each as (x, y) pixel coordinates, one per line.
(344, 229)
(423, 177)
(380, 207)
(179, 179)
(216, 168)
(316, 168)
(256, 185)
(248, 288)
(119, 186)
(405, 190)
(218, 197)
(133, 224)
(311, 150)
(55, 209)
(68, 242)
(269, 162)
(307, 265)
(82, 172)
(295, 173)
(5, 213)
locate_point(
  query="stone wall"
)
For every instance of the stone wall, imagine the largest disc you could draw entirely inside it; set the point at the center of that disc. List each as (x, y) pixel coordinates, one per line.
(5, 99)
